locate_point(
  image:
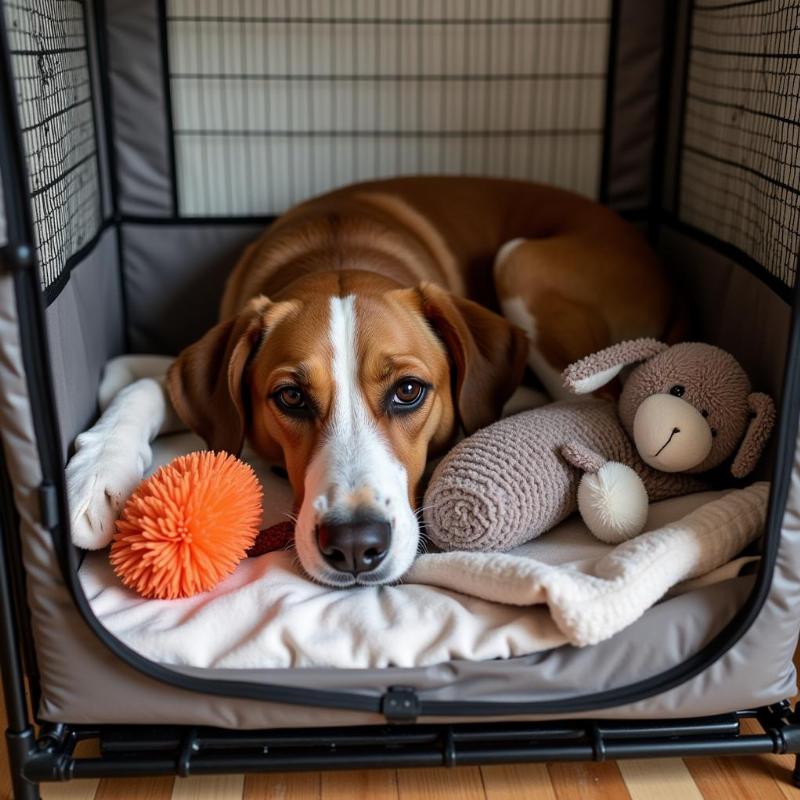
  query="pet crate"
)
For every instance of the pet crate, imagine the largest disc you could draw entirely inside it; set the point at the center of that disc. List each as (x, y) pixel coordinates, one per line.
(142, 144)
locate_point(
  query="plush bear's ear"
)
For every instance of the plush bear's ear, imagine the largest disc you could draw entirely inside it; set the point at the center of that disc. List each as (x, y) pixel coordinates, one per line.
(755, 438)
(596, 370)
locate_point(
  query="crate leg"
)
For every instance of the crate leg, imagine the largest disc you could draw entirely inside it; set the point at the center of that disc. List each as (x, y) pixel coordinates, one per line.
(24, 790)
(19, 750)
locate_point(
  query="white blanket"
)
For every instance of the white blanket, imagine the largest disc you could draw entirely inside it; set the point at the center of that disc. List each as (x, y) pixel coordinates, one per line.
(565, 587)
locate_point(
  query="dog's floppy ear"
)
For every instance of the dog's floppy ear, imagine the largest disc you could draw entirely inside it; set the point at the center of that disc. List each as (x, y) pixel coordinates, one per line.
(488, 353)
(758, 430)
(597, 369)
(205, 381)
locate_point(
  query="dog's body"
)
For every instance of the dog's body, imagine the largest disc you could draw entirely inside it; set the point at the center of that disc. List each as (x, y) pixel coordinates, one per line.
(350, 348)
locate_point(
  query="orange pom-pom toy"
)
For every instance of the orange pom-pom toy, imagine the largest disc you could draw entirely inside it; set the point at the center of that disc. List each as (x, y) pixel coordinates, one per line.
(187, 526)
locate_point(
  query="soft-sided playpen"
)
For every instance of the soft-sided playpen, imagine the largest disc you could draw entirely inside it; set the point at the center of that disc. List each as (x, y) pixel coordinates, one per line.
(143, 142)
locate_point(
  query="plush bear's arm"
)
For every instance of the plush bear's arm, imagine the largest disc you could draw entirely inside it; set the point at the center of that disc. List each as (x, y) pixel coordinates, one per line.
(582, 457)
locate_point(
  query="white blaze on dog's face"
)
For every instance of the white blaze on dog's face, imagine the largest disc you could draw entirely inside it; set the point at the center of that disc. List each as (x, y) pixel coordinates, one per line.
(356, 522)
(351, 383)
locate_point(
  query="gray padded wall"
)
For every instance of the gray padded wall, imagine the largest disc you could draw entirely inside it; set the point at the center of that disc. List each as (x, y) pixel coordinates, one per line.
(731, 308)
(174, 277)
(139, 124)
(85, 326)
(635, 103)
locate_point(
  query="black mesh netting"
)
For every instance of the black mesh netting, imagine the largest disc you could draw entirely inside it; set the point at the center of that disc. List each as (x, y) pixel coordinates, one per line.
(273, 102)
(740, 160)
(51, 74)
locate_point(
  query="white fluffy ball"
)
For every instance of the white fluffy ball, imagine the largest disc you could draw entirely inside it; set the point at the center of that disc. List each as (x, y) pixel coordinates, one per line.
(613, 502)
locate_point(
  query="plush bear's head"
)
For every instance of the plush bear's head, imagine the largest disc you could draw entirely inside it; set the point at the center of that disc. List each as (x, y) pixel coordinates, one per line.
(688, 407)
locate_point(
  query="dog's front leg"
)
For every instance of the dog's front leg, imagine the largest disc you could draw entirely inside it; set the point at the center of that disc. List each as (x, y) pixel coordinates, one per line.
(112, 457)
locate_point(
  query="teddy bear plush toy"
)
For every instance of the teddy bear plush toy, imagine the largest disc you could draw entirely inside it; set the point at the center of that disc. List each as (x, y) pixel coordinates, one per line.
(683, 411)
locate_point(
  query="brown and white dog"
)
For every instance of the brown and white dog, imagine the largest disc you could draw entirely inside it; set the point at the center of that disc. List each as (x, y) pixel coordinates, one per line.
(357, 338)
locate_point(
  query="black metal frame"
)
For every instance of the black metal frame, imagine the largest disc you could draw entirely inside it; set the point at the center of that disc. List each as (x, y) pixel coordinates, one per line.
(138, 750)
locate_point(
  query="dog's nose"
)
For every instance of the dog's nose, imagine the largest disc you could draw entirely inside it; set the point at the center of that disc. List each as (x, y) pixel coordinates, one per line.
(354, 547)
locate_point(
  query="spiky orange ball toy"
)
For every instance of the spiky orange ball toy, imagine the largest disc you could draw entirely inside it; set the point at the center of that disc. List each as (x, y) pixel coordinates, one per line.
(187, 526)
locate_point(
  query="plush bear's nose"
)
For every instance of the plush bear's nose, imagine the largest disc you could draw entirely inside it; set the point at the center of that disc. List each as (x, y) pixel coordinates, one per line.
(354, 547)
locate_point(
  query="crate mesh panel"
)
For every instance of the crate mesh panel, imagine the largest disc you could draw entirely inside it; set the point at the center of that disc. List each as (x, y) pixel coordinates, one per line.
(740, 160)
(275, 101)
(51, 74)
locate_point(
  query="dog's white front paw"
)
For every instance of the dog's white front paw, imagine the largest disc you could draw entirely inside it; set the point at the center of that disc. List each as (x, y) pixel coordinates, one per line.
(613, 502)
(110, 461)
(100, 478)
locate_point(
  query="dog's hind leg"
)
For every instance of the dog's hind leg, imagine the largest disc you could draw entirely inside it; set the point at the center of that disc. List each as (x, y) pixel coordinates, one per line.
(560, 329)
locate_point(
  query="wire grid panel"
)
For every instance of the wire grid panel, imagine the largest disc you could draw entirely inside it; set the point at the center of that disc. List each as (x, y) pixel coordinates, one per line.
(277, 100)
(50, 63)
(740, 160)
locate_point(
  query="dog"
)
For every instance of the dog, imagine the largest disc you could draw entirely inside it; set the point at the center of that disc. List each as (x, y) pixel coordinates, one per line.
(360, 333)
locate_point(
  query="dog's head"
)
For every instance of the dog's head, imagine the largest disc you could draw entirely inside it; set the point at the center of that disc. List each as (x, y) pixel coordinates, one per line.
(351, 383)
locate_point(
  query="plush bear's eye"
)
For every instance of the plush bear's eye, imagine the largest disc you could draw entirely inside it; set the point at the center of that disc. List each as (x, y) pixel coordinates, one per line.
(704, 413)
(677, 390)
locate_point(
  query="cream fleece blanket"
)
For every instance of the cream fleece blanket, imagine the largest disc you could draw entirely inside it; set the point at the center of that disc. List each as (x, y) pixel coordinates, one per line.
(563, 588)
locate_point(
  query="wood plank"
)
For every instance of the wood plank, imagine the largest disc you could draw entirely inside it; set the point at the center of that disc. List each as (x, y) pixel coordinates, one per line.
(587, 780)
(135, 789)
(743, 778)
(283, 786)
(5, 775)
(517, 782)
(209, 787)
(70, 790)
(459, 783)
(659, 779)
(371, 784)
(780, 768)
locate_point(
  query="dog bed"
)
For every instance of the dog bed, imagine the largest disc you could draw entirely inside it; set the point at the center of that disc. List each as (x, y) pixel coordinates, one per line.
(565, 587)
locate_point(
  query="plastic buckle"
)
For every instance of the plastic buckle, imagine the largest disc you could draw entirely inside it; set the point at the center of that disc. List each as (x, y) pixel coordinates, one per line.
(401, 704)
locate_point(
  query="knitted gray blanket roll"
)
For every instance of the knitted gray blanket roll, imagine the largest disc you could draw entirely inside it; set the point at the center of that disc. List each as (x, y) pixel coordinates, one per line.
(508, 483)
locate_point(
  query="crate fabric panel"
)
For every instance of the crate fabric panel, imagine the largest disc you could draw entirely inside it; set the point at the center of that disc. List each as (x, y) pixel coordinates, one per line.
(275, 102)
(740, 160)
(50, 63)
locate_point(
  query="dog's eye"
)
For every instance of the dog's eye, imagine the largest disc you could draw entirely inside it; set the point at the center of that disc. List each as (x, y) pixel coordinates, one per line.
(408, 393)
(291, 398)
(677, 390)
